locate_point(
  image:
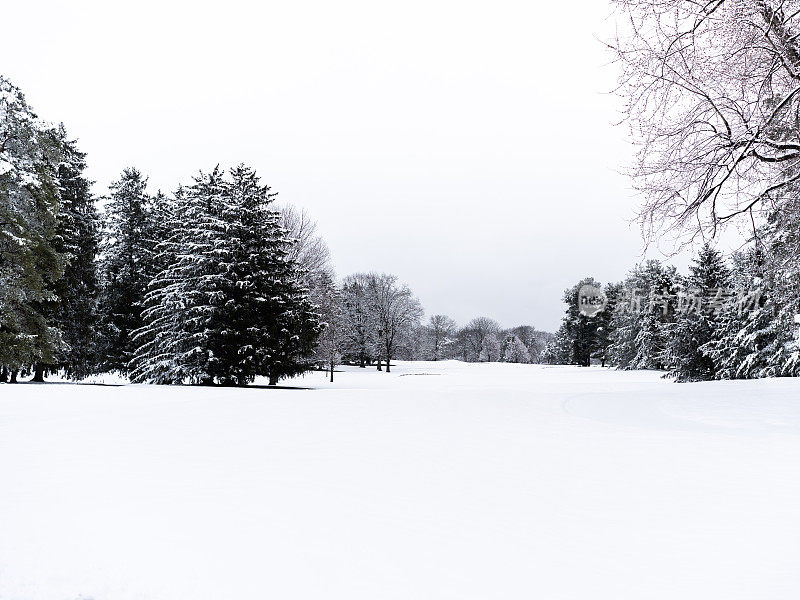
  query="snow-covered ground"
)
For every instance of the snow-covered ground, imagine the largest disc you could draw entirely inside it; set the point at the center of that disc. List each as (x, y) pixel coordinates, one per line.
(435, 481)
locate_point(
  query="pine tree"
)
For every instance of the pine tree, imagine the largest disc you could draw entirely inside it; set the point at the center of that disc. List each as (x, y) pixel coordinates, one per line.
(273, 307)
(645, 308)
(604, 333)
(700, 321)
(126, 258)
(184, 317)
(30, 263)
(229, 305)
(580, 331)
(758, 331)
(78, 237)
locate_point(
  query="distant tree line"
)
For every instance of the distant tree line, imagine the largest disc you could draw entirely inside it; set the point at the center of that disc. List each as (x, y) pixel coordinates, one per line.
(381, 321)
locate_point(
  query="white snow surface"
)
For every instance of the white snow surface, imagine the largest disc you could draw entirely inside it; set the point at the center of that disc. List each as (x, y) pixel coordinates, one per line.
(437, 481)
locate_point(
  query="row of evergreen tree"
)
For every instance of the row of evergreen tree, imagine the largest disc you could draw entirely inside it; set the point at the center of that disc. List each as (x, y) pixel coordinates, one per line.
(734, 318)
(202, 286)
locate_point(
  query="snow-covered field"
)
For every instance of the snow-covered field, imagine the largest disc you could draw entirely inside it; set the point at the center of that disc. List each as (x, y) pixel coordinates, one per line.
(437, 481)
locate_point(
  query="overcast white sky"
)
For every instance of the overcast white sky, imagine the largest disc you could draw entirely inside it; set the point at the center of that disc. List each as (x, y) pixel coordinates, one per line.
(467, 147)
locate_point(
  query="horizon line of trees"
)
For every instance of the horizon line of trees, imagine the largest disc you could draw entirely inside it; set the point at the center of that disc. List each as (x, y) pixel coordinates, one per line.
(212, 284)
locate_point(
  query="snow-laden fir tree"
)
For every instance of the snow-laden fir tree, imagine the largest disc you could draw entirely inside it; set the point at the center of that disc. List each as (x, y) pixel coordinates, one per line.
(644, 309)
(126, 267)
(747, 337)
(605, 324)
(783, 234)
(230, 304)
(184, 302)
(577, 338)
(78, 234)
(758, 330)
(271, 306)
(698, 321)
(30, 263)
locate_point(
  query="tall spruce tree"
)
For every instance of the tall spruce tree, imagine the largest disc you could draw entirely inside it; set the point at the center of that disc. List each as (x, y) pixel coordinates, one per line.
(579, 336)
(179, 340)
(126, 257)
(645, 307)
(699, 321)
(272, 311)
(747, 338)
(30, 262)
(229, 304)
(75, 313)
(759, 329)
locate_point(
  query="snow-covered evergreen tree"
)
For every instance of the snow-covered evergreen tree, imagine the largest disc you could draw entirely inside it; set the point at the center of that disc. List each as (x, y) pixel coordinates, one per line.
(759, 330)
(30, 262)
(76, 313)
(577, 338)
(183, 308)
(229, 305)
(699, 321)
(126, 253)
(644, 309)
(270, 304)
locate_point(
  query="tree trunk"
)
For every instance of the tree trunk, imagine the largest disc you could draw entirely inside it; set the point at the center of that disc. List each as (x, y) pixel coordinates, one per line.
(38, 373)
(13, 376)
(388, 366)
(379, 365)
(331, 371)
(362, 361)
(273, 380)
(3, 374)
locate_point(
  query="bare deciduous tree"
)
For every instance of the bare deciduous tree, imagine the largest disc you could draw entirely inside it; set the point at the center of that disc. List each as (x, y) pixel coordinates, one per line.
(490, 348)
(473, 333)
(712, 90)
(310, 251)
(397, 312)
(439, 332)
(359, 316)
(334, 333)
